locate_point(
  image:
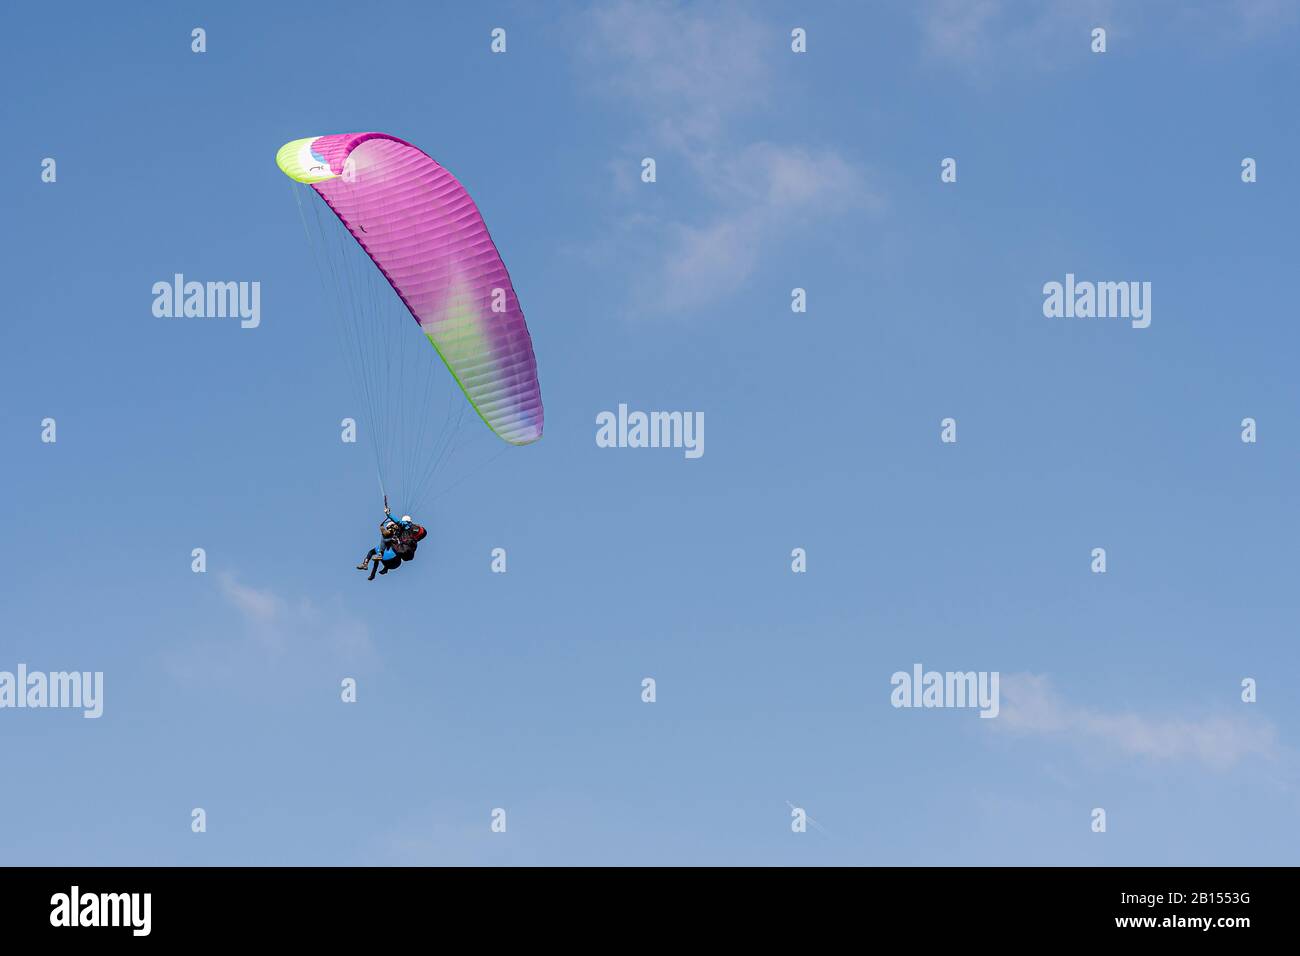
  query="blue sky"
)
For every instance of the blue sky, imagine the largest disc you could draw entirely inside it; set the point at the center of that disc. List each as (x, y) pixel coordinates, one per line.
(522, 691)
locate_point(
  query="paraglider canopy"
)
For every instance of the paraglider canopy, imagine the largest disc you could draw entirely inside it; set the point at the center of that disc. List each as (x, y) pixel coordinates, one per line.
(422, 230)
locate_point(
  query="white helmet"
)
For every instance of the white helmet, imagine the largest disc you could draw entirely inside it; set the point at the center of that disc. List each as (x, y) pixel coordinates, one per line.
(406, 519)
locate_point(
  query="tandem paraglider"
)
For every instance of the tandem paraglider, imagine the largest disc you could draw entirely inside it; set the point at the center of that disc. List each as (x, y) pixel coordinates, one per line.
(414, 245)
(398, 540)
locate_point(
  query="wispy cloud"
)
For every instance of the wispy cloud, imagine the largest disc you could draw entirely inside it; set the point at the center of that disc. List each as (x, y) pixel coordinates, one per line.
(272, 631)
(983, 36)
(280, 625)
(989, 37)
(1265, 17)
(1232, 25)
(1031, 706)
(260, 607)
(690, 73)
(691, 77)
(759, 191)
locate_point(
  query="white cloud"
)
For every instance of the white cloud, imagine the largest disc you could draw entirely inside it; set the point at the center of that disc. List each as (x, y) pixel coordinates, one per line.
(688, 72)
(1241, 23)
(960, 30)
(282, 626)
(760, 192)
(984, 36)
(691, 77)
(1030, 706)
(272, 633)
(770, 176)
(260, 607)
(703, 262)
